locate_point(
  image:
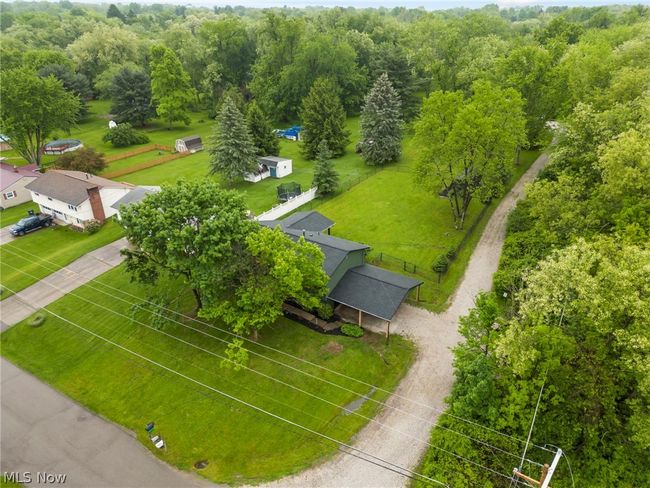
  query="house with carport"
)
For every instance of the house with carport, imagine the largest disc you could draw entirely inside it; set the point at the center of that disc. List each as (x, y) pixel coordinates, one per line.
(355, 288)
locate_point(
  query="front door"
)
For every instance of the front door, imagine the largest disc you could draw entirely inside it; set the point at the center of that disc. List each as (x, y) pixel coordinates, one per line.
(273, 172)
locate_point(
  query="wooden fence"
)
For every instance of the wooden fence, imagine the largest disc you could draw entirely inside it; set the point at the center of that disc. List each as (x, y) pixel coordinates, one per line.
(145, 165)
(139, 150)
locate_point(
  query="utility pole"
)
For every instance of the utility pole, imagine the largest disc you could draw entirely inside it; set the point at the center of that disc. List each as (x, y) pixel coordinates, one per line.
(546, 475)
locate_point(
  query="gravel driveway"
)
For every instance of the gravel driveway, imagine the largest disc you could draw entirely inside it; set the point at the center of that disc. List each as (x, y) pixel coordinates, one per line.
(428, 381)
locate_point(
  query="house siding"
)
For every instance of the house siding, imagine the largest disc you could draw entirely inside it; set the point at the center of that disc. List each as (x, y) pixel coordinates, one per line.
(22, 195)
(352, 260)
(83, 212)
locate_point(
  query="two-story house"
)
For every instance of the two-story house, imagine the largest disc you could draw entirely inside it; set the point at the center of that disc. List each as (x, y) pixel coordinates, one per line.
(75, 197)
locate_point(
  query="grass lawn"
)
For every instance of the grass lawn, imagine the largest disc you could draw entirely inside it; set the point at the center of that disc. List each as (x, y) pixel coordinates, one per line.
(59, 244)
(134, 160)
(262, 195)
(403, 222)
(12, 215)
(239, 444)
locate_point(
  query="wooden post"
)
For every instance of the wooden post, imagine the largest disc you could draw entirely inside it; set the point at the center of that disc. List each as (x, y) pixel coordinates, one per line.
(360, 317)
(417, 293)
(544, 474)
(387, 331)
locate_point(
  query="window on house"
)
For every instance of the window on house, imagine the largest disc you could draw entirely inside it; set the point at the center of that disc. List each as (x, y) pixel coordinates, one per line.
(72, 207)
(9, 195)
(49, 199)
(37, 194)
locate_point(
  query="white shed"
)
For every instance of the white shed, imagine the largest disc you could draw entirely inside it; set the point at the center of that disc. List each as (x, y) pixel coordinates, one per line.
(278, 167)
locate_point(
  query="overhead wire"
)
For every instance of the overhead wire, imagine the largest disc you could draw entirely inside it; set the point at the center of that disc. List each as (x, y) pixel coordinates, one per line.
(224, 358)
(374, 459)
(302, 360)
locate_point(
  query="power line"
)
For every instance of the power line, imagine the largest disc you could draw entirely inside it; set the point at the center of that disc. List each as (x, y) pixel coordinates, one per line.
(318, 366)
(377, 460)
(370, 419)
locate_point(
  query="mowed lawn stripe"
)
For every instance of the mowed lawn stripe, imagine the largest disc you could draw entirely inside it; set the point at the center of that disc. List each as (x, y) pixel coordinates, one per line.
(240, 445)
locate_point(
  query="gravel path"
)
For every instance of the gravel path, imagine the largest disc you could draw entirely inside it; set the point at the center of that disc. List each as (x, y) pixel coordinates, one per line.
(428, 381)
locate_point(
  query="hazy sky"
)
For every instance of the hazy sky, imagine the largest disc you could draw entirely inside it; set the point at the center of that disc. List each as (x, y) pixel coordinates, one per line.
(429, 5)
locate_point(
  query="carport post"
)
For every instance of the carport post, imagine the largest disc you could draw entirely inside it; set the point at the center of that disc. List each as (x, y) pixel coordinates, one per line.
(387, 331)
(417, 293)
(360, 317)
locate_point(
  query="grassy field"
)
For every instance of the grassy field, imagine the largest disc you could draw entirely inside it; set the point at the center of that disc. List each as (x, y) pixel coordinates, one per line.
(12, 215)
(262, 195)
(403, 222)
(61, 245)
(240, 445)
(134, 160)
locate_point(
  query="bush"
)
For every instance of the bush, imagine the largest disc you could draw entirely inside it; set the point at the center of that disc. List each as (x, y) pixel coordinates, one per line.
(85, 159)
(351, 330)
(93, 226)
(451, 253)
(37, 320)
(441, 264)
(123, 135)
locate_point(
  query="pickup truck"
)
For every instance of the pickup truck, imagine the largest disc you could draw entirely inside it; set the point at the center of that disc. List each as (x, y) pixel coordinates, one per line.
(31, 223)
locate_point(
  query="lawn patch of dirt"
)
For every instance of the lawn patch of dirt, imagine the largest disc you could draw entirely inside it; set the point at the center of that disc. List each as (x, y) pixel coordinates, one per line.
(332, 347)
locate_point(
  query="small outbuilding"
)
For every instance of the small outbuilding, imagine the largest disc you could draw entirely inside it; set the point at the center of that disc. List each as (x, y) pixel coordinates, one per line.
(189, 144)
(61, 146)
(5, 143)
(277, 167)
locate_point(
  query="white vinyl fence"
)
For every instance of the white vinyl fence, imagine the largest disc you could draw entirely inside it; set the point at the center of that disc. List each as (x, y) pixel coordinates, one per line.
(284, 208)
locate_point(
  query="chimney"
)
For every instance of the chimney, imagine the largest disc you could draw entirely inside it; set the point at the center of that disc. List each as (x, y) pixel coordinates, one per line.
(96, 204)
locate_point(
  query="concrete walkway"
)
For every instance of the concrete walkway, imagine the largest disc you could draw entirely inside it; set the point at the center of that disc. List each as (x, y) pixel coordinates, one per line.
(5, 236)
(40, 294)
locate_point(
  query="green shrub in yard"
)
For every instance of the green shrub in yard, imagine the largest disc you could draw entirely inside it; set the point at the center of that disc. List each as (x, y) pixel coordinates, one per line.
(92, 226)
(451, 253)
(124, 135)
(441, 264)
(351, 330)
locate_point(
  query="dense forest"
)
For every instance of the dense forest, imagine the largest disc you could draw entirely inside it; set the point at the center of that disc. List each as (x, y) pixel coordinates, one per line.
(570, 312)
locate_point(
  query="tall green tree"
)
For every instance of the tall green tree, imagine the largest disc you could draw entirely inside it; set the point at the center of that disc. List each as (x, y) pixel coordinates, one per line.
(131, 97)
(114, 13)
(468, 145)
(326, 179)
(381, 124)
(231, 148)
(323, 119)
(266, 142)
(170, 86)
(75, 83)
(85, 159)
(194, 231)
(278, 270)
(32, 108)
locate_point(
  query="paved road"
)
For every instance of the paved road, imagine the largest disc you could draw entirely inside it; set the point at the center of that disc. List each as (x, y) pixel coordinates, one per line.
(15, 308)
(427, 382)
(45, 431)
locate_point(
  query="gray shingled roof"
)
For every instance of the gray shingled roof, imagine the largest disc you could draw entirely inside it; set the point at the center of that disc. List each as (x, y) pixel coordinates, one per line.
(70, 186)
(373, 290)
(271, 160)
(311, 221)
(135, 195)
(335, 249)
